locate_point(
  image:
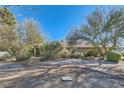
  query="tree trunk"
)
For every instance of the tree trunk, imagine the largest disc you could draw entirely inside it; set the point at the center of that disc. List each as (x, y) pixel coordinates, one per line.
(34, 51)
(98, 48)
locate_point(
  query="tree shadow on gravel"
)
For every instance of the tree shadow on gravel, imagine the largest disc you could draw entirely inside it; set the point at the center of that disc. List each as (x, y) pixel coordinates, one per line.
(52, 77)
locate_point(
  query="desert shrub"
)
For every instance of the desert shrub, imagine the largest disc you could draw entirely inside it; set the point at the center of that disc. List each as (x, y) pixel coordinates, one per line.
(72, 50)
(71, 53)
(23, 54)
(82, 55)
(50, 50)
(122, 53)
(63, 53)
(114, 56)
(93, 53)
(75, 55)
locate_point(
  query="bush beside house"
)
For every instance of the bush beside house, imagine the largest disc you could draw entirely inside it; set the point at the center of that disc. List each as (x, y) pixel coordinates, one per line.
(23, 54)
(114, 56)
(50, 50)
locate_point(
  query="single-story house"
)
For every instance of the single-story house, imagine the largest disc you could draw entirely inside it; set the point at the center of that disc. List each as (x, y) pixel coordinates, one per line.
(85, 46)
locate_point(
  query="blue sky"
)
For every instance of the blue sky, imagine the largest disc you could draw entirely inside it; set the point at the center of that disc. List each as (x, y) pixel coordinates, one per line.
(55, 21)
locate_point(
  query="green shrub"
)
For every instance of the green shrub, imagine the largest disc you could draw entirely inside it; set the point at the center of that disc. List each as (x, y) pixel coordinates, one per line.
(50, 50)
(73, 53)
(93, 53)
(82, 55)
(122, 53)
(72, 50)
(114, 56)
(76, 55)
(69, 54)
(63, 53)
(23, 54)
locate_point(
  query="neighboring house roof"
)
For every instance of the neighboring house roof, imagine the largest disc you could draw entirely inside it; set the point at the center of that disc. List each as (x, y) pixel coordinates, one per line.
(79, 45)
(83, 44)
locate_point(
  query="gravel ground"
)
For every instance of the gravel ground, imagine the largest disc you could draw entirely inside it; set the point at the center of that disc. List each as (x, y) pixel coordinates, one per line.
(84, 74)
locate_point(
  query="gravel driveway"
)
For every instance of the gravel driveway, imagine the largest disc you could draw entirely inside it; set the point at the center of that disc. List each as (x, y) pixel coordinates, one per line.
(84, 74)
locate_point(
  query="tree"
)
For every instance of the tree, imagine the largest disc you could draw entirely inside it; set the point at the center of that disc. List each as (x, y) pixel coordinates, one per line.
(104, 28)
(24, 35)
(7, 34)
(33, 33)
(8, 39)
(28, 33)
(6, 17)
(15, 37)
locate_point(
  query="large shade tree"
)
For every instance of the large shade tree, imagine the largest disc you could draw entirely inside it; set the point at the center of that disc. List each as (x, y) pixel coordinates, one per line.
(7, 39)
(15, 36)
(7, 34)
(29, 34)
(104, 28)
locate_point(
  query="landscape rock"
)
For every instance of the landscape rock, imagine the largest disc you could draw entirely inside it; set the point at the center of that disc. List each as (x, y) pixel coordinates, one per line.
(66, 78)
